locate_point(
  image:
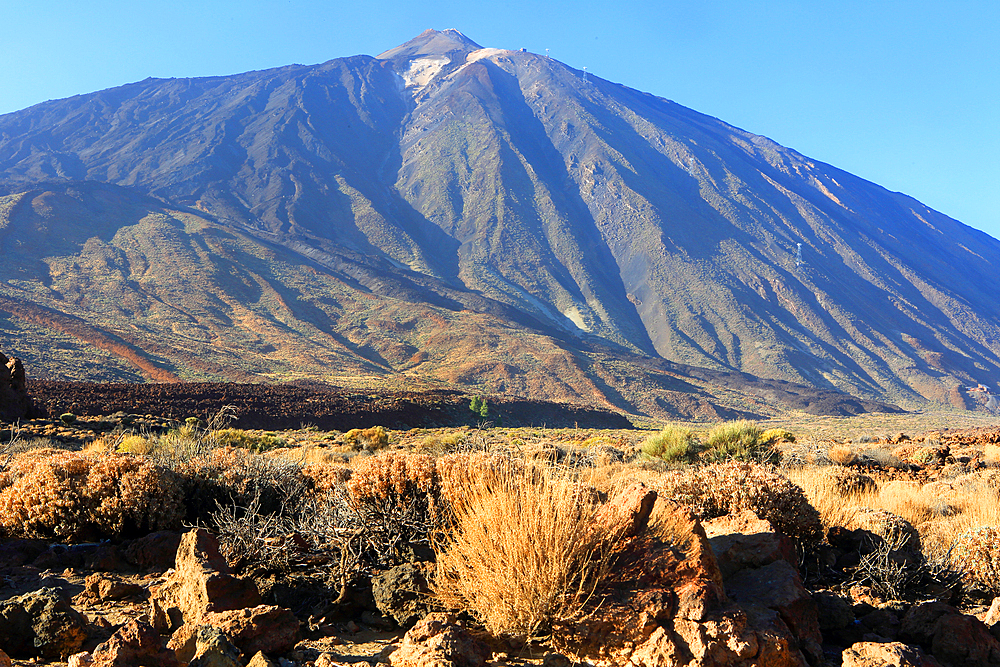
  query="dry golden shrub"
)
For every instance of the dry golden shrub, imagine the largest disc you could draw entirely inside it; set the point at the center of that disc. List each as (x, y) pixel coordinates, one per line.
(834, 509)
(373, 438)
(842, 455)
(991, 453)
(63, 495)
(847, 481)
(976, 556)
(724, 488)
(939, 521)
(524, 551)
(326, 476)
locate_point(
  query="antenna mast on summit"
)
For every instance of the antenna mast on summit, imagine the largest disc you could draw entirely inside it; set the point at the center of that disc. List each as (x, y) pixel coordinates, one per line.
(546, 53)
(584, 73)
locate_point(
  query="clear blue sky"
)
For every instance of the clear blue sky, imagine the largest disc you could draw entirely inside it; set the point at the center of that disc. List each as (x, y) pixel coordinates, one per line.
(903, 93)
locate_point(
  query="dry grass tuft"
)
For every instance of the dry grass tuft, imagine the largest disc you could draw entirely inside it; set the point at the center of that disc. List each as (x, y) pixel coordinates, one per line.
(842, 455)
(524, 551)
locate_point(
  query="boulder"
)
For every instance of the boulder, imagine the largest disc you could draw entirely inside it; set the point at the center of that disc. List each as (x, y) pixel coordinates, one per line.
(41, 623)
(104, 587)
(892, 654)
(778, 586)
(201, 583)
(745, 540)
(4, 660)
(952, 637)
(15, 403)
(263, 628)
(135, 643)
(154, 552)
(626, 513)
(402, 593)
(439, 640)
(205, 646)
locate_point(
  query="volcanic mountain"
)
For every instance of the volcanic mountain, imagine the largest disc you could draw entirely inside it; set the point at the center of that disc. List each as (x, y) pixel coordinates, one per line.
(481, 217)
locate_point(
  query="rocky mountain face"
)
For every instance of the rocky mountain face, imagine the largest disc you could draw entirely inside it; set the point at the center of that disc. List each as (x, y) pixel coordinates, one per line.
(476, 216)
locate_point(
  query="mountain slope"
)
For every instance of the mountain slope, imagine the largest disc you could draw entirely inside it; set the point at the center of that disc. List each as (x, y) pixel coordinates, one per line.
(503, 183)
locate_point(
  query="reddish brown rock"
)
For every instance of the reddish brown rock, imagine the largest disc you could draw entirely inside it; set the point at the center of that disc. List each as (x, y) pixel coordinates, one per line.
(439, 640)
(202, 582)
(4, 660)
(135, 643)
(263, 628)
(14, 400)
(109, 587)
(744, 540)
(952, 637)
(893, 654)
(778, 586)
(626, 513)
(156, 551)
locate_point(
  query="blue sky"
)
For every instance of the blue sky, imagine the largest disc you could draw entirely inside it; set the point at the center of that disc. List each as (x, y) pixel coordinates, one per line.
(905, 94)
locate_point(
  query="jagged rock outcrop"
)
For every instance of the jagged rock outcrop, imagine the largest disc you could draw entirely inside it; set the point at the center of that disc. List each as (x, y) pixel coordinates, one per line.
(202, 582)
(14, 400)
(665, 603)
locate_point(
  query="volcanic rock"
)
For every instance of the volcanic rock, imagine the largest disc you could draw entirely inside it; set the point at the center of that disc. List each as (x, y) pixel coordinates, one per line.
(402, 593)
(439, 640)
(41, 623)
(892, 654)
(202, 582)
(952, 637)
(14, 400)
(135, 643)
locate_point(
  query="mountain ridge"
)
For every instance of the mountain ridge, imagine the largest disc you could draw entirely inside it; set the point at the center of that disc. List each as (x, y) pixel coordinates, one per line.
(500, 182)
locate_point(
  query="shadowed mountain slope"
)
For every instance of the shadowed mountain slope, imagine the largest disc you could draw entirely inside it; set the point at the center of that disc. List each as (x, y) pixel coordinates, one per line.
(496, 187)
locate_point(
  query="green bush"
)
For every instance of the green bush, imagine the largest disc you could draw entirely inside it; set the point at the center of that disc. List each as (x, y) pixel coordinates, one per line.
(235, 437)
(674, 444)
(739, 440)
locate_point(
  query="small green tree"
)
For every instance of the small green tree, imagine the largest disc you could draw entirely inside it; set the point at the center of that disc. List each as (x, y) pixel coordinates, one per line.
(479, 406)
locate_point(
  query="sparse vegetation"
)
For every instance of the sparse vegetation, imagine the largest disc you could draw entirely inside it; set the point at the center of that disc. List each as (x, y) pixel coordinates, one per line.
(674, 444)
(739, 440)
(511, 515)
(523, 551)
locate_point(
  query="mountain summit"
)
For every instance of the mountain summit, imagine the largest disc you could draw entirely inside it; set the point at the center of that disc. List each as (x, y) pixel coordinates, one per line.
(481, 216)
